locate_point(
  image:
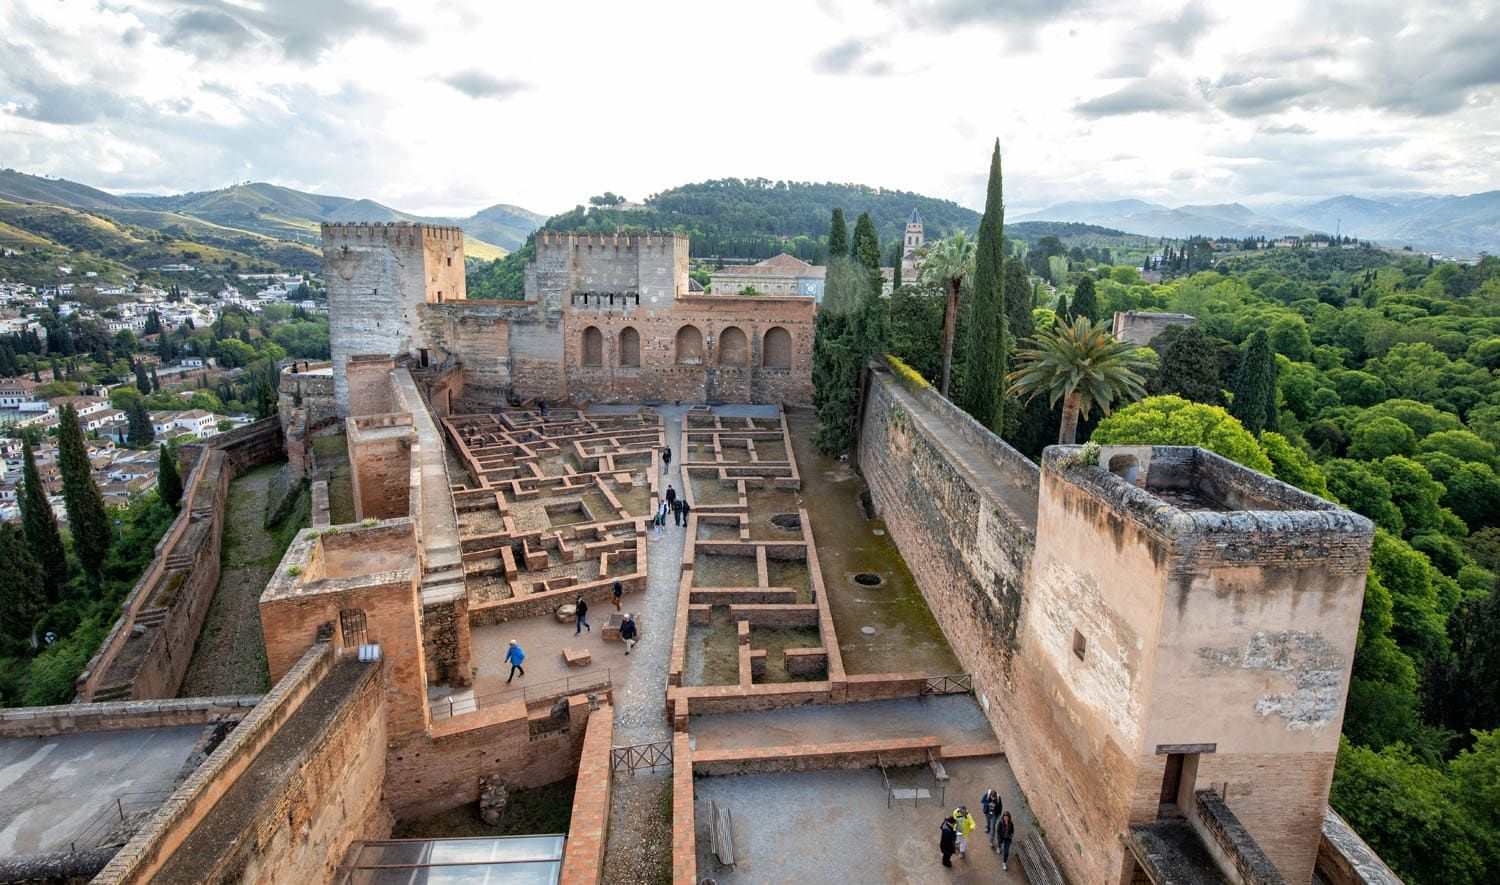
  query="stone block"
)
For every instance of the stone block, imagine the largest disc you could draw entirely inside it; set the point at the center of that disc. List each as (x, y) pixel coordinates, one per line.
(577, 657)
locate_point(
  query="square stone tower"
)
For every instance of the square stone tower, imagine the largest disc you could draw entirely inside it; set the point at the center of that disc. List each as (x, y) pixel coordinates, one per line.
(377, 276)
(1190, 624)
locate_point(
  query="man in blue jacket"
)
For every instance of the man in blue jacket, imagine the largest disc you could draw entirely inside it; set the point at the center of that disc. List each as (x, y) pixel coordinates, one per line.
(514, 656)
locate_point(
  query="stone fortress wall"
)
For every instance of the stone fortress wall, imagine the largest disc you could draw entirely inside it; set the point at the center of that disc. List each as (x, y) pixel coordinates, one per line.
(146, 653)
(1177, 625)
(606, 318)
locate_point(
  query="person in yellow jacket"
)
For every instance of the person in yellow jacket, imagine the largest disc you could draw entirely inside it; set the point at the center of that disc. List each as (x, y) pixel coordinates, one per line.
(963, 822)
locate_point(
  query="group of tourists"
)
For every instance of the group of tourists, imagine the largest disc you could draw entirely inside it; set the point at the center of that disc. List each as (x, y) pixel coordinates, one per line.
(629, 631)
(954, 831)
(671, 503)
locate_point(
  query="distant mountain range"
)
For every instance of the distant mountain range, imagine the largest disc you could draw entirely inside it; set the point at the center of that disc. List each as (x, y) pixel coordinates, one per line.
(1453, 225)
(265, 209)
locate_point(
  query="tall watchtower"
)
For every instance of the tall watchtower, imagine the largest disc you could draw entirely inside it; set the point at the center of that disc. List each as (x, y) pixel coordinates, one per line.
(378, 275)
(1186, 646)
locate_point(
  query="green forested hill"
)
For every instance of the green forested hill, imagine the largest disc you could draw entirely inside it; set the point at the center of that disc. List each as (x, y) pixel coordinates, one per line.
(759, 218)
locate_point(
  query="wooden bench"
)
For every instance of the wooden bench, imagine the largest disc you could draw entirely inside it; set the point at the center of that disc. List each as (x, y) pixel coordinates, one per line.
(577, 657)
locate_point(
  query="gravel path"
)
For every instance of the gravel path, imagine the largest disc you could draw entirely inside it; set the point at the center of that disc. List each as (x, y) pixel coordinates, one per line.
(230, 657)
(640, 826)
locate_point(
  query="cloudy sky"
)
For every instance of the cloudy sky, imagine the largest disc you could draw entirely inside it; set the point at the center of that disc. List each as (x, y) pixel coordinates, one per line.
(446, 106)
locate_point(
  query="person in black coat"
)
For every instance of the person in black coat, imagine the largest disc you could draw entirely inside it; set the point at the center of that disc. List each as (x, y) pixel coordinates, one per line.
(947, 841)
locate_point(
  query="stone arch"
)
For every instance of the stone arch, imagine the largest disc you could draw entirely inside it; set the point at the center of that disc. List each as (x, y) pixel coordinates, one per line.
(776, 349)
(734, 347)
(689, 346)
(630, 347)
(593, 346)
(1125, 466)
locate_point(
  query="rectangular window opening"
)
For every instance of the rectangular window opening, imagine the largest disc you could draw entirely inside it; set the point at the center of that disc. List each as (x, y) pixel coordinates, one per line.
(1080, 645)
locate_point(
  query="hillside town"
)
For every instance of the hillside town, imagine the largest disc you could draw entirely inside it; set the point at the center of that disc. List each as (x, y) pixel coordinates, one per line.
(126, 344)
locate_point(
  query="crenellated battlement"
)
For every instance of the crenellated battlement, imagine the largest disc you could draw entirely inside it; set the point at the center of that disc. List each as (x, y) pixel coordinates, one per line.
(548, 239)
(400, 232)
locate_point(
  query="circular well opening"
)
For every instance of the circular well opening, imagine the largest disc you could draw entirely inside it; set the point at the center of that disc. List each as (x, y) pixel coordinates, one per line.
(868, 579)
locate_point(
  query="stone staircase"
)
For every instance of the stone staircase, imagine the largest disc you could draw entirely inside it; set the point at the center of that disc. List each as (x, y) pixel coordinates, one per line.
(442, 573)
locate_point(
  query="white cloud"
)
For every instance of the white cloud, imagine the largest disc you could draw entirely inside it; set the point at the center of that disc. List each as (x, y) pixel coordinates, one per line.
(465, 103)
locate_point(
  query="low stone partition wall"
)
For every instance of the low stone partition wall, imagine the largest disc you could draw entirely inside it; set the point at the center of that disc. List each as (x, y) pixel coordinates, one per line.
(884, 686)
(684, 820)
(776, 615)
(802, 757)
(588, 827)
(122, 715)
(484, 614)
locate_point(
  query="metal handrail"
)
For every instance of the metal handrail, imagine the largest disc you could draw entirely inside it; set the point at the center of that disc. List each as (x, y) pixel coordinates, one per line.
(637, 756)
(961, 683)
(553, 688)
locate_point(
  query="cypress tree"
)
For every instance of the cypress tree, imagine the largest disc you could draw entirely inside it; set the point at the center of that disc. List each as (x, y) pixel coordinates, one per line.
(168, 480)
(142, 383)
(1064, 314)
(1018, 320)
(1254, 386)
(867, 251)
(23, 593)
(1085, 302)
(829, 320)
(87, 518)
(985, 355)
(155, 382)
(1189, 365)
(40, 527)
(139, 421)
(852, 333)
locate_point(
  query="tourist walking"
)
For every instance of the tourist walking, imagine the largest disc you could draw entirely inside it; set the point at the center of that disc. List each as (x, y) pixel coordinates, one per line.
(686, 509)
(672, 504)
(963, 821)
(991, 805)
(1005, 830)
(514, 656)
(581, 611)
(947, 840)
(628, 632)
(677, 512)
(616, 593)
(666, 459)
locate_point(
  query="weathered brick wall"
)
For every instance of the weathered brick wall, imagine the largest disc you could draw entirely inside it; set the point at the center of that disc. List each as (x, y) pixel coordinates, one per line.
(445, 634)
(588, 828)
(660, 374)
(380, 465)
(330, 796)
(170, 824)
(970, 542)
(436, 771)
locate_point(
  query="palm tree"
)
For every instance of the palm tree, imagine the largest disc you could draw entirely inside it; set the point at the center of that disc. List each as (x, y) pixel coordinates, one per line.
(1081, 364)
(947, 263)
